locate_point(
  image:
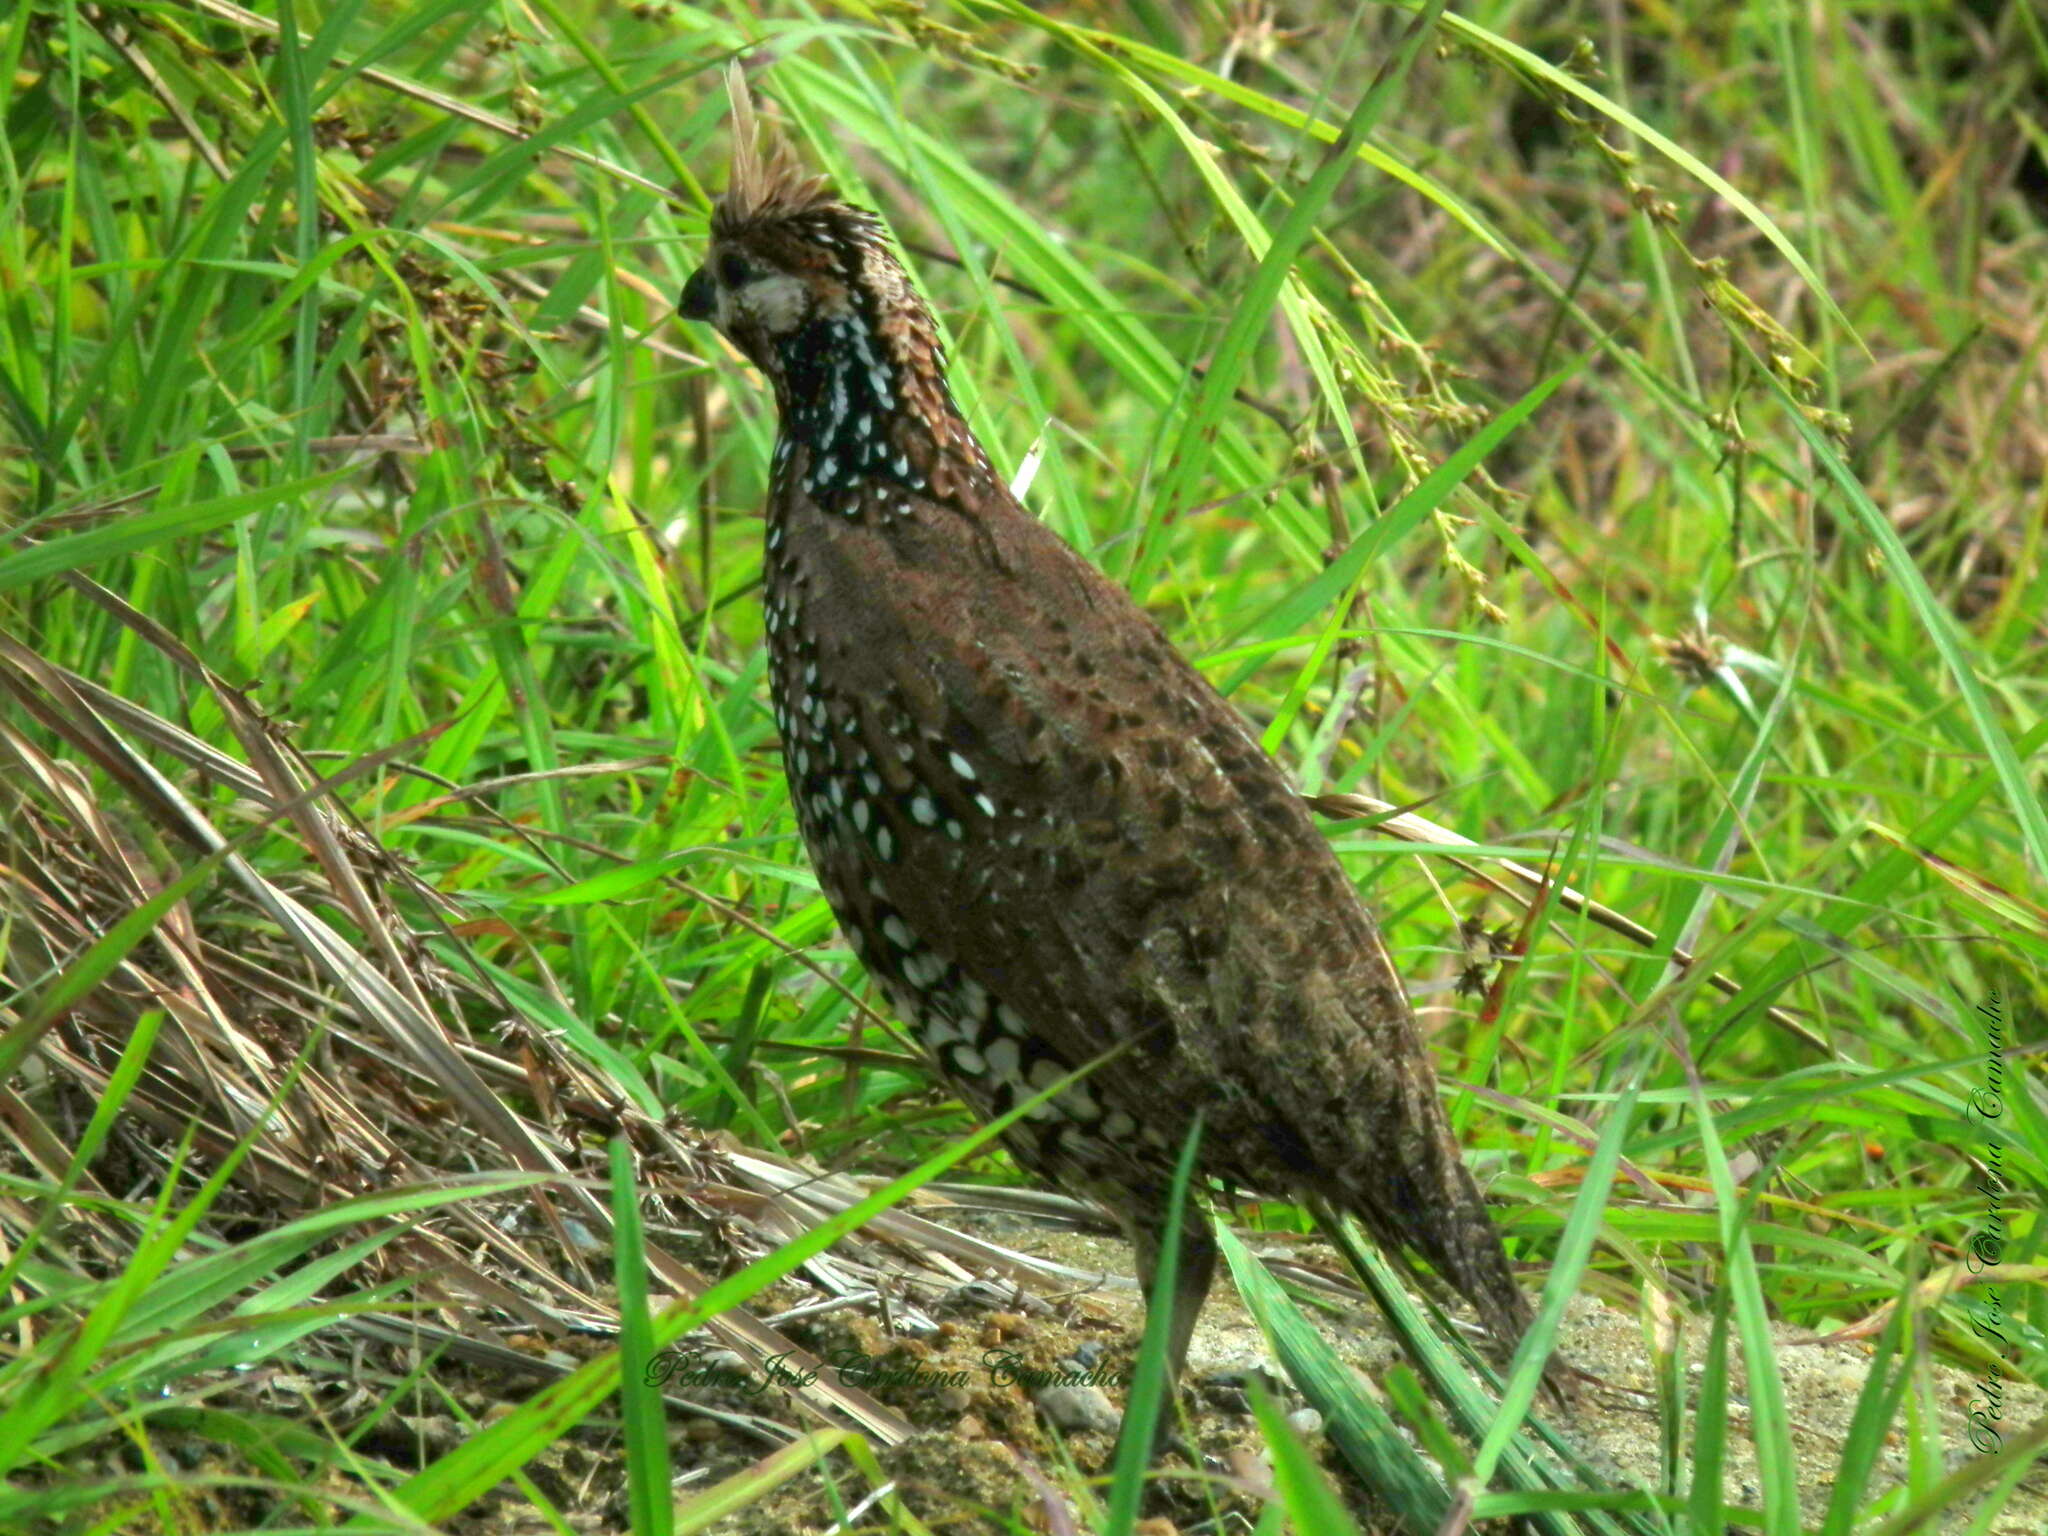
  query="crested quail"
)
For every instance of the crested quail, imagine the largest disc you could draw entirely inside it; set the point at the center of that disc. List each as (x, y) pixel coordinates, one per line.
(1043, 832)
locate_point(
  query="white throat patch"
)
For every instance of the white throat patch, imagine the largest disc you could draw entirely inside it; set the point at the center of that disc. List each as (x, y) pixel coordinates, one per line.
(775, 305)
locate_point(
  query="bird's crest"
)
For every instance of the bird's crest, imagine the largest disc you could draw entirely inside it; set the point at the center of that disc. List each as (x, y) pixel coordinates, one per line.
(767, 179)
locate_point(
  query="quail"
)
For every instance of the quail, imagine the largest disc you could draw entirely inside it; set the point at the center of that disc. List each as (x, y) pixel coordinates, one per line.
(1045, 835)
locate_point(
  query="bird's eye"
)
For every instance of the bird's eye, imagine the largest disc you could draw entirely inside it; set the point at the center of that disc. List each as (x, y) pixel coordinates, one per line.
(733, 270)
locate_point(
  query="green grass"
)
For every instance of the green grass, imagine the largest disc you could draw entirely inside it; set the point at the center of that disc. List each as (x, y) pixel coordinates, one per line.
(1624, 446)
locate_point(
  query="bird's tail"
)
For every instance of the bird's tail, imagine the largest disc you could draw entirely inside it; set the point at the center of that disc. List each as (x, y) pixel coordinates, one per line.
(1457, 1238)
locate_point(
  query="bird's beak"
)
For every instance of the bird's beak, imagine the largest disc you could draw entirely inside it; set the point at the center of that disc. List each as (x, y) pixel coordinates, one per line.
(699, 301)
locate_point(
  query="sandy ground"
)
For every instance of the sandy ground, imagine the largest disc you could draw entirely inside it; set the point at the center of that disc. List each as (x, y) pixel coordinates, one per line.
(988, 1443)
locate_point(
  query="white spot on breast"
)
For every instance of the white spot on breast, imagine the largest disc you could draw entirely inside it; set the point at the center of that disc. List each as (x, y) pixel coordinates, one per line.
(961, 766)
(1003, 1058)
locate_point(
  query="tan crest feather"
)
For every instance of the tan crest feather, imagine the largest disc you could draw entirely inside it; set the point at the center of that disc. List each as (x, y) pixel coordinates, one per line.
(744, 190)
(766, 177)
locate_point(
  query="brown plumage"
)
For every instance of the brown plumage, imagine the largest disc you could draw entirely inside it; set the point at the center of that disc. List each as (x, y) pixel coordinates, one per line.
(1043, 832)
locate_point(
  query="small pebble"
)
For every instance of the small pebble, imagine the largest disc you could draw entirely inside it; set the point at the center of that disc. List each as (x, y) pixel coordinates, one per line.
(1078, 1410)
(1231, 1390)
(1306, 1422)
(1240, 1377)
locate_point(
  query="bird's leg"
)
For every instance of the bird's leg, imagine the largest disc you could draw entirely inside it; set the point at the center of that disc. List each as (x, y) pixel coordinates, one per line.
(1195, 1268)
